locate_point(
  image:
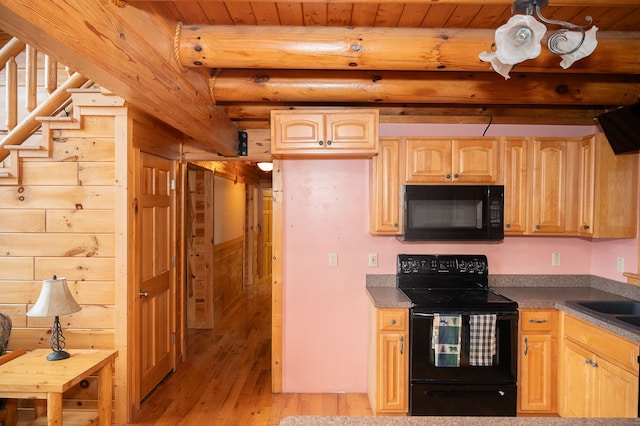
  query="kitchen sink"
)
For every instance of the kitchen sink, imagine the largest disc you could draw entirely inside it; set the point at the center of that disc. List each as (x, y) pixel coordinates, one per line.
(616, 307)
(633, 320)
(622, 313)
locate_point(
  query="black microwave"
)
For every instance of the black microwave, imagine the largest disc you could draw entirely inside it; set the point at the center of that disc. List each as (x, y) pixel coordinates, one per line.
(453, 213)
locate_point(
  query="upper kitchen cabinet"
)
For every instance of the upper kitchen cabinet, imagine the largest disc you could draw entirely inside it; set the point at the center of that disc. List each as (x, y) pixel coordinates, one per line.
(460, 160)
(515, 185)
(316, 132)
(384, 187)
(607, 190)
(571, 187)
(552, 185)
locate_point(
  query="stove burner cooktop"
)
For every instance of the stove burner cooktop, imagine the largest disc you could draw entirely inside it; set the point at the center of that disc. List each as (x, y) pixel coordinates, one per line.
(440, 283)
(459, 299)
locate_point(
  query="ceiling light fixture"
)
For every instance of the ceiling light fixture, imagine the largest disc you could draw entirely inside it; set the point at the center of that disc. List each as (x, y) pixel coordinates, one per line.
(519, 39)
(265, 167)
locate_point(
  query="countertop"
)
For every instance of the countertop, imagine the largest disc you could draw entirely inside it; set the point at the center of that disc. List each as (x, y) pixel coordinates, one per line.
(439, 420)
(531, 292)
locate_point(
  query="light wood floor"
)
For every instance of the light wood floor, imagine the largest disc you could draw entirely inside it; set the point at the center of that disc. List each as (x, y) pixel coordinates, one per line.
(227, 377)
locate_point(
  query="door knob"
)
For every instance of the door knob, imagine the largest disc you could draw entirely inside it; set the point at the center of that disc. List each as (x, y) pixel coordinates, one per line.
(144, 293)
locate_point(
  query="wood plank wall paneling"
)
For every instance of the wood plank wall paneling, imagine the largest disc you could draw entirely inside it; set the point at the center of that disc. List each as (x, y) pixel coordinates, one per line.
(61, 220)
(227, 277)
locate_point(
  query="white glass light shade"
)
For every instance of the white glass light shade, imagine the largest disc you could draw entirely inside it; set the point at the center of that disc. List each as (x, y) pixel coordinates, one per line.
(265, 167)
(519, 39)
(573, 38)
(499, 67)
(55, 299)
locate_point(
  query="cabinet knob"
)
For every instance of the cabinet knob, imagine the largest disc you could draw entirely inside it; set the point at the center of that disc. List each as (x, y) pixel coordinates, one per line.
(587, 361)
(537, 226)
(448, 176)
(585, 227)
(320, 143)
(393, 321)
(455, 176)
(508, 225)
(328, 143)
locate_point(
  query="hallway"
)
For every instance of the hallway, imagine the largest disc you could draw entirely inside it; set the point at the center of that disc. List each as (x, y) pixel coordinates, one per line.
(227, 377)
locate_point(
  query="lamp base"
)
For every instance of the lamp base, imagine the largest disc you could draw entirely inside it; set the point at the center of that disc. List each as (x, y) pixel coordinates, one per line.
(58, 355)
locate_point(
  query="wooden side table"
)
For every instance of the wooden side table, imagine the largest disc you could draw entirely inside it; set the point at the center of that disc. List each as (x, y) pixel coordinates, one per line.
(32, 376)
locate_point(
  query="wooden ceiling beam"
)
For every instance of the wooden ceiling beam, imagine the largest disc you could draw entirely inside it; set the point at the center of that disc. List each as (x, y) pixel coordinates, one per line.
(585, 3)
(130, 53)
(300, 86)
(256, 116)
(377, 48)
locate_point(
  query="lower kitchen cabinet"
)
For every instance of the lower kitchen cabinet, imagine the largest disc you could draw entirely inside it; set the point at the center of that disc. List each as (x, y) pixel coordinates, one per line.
(598, 372)
(537, 361)
(388, 361)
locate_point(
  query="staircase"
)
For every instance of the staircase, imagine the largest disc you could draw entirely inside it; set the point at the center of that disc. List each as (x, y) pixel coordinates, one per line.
(37, 98)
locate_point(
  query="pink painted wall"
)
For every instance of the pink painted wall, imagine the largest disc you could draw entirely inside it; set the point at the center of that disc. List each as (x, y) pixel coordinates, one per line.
(325, 308)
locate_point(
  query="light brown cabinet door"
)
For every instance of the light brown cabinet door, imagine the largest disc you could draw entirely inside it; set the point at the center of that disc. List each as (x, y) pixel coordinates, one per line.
(351, 131)
(577, 380)
(428, 161)
(549, 180)
(298, 131)
(475, 161)
(393, 372)
(586, 176)
(536, 372)
(384, 198)
(515, 185)
(617, 391)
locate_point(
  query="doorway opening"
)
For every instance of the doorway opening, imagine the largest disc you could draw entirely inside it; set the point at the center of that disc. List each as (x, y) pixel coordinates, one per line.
(228, 242)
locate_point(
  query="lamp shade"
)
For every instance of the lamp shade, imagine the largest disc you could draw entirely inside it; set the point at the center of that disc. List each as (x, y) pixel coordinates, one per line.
(265, 167)
(55, 299)
(519, 39)
(586, 48)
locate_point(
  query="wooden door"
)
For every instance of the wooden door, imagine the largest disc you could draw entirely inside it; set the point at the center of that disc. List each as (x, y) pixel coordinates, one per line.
(199, 248)
(297, 130)
(475, 160)
(352, 130)
(586, 177)
(515, 186)
(155, 224)
(535, 372)
(384, 198)
(577, 378)
(266, 232)
(428, 161)
(548, 207)
(618, 391)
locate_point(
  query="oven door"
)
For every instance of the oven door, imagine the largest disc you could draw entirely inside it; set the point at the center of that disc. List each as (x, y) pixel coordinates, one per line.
(464, 389)
(503, 368)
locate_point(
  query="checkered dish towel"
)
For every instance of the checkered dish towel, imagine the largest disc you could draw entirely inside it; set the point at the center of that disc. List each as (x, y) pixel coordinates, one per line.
(482, 336)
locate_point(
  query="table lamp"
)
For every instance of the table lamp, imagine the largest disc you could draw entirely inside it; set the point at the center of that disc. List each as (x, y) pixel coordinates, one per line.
(55, 299)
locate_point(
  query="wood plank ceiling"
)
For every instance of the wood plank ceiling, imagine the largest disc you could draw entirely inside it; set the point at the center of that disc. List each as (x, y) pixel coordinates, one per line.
(572, 96)
(415, 60)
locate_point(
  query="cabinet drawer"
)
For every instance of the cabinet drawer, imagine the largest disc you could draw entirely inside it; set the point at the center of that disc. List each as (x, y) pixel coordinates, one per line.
(536, 320)
(392, 319)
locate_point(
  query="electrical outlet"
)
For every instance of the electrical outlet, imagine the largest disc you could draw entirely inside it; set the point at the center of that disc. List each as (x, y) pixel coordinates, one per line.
(333, 260)
(373, 260)
(620, 264)
(555, 259)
